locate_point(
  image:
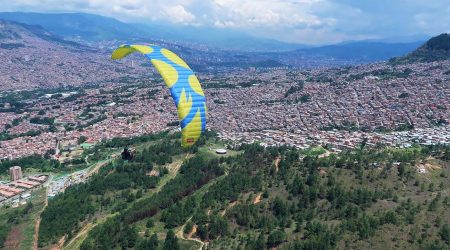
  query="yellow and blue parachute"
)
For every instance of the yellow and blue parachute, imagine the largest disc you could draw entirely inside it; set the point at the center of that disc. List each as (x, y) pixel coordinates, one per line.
(183, 84)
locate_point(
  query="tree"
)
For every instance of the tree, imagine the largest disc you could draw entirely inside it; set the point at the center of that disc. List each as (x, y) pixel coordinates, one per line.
(28, 207)
(139, 194)
(52, 129)
(188, 227)
(279, 208)
(171, 242)
(260, 242)
(131, 237)
(202, 232)
(81, 139)
(150, 244)
(276, 238)
(445, 233)
(150, 223)
(48, 154)
(154, 240)
(305, 98)
(363, 143)
(218, 227)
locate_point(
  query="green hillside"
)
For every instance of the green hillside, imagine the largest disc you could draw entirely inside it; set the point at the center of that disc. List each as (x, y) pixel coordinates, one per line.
(435, 49)
(168, 197)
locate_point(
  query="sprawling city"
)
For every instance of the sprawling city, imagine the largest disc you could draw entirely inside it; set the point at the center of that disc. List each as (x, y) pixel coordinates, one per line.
(335, 107)
(295, 145)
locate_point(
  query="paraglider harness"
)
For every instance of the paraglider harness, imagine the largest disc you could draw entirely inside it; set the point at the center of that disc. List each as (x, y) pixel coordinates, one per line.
(127, 154)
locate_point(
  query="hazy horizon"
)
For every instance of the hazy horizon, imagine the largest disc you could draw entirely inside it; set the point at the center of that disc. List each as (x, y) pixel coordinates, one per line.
(301, 22)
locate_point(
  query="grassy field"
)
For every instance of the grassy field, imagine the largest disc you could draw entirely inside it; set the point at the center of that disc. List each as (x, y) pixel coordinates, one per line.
(314, 151)
(189, 244)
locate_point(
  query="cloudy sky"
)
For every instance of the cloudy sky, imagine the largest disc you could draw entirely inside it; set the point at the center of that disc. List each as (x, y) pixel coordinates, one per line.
(300, 21)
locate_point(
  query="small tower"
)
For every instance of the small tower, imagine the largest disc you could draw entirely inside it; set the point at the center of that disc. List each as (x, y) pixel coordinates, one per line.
(15, 173)
(57, 150)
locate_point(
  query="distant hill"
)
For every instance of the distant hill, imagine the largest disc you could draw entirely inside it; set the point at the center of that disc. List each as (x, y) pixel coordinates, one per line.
(225, 39)
(17, 33)
(78, 25)
(363, 51)
(203, 48)
(435, 49)
(91, 27)
(33, 57)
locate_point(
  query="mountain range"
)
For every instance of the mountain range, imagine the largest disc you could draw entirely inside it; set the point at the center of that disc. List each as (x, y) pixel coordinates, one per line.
(365, 50)
(74, 49)
(89, 27)
(95, 28)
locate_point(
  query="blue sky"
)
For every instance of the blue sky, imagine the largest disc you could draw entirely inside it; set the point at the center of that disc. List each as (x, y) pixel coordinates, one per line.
(299, 21)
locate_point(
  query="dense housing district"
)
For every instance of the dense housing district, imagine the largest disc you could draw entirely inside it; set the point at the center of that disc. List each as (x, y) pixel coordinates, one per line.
(395, 105)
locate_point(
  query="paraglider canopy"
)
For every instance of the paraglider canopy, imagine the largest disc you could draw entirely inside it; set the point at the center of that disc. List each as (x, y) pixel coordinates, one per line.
(183, 84)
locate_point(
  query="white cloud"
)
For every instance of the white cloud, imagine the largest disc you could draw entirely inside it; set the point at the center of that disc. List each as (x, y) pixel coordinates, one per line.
(241, 13)
(307, 21)
(178, 14)
(264, 13)
(225, 24)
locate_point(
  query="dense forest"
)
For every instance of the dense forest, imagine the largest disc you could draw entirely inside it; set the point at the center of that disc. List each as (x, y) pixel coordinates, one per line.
(258, 198)
(117, 184)
(435, 49)
(254, 197)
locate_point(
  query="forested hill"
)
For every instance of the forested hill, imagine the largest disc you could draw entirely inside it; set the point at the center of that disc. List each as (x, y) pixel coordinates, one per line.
(435, 49)
(168, 197)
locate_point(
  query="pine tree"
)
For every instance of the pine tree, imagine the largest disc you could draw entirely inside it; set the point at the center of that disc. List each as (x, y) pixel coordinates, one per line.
(260, 242)
(171, 242)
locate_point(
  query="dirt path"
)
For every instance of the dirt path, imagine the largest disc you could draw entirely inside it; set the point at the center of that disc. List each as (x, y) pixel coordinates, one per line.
(175, 166)
(36, 233)
(82, 233)
(76, 241)
(276, 163)
(59, 245)
(232, 204)
(180, 235)
(38, 223)
(97, 167)
(257, 199)
(194, 230)
(326, 154)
